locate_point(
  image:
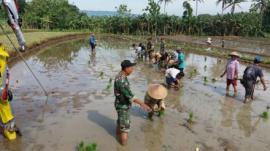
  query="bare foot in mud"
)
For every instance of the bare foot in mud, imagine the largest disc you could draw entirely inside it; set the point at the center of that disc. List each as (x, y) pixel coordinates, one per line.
(235, 94)
(247, 100)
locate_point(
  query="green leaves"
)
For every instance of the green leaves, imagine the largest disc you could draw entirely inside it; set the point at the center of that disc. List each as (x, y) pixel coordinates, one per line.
(59, 14)
(110, 84)
(123, 10)
(87, 147)
(190, 119)
(264, 115)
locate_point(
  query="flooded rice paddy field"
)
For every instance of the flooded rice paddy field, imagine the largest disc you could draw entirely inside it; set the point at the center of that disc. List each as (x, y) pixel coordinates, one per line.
(80, 105)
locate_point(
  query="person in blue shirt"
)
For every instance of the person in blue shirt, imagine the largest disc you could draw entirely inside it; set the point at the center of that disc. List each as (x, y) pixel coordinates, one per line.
(92, 42)
(181, 59)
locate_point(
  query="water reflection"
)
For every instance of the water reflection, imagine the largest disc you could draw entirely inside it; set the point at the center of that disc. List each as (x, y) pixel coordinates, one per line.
(227, 110)
(153, 135)
(244, 120)
(92, 61)
(59, 56)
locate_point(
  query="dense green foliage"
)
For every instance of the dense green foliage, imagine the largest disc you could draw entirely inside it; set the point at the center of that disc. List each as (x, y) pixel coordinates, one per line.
(266, 20)
(60, 15)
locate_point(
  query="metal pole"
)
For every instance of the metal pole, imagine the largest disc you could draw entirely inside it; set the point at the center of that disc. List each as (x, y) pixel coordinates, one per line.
(27, 65)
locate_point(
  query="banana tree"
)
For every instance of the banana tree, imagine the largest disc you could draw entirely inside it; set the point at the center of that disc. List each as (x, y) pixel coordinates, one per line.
(233, 4)
(197, 3)
(224, 4)
(260, 5)
(165, 4)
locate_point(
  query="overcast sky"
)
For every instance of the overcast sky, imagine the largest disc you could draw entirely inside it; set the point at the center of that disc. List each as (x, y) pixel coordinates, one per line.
(136, 6)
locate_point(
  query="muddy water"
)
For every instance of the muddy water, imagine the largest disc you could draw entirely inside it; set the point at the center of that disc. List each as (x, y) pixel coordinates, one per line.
(80, 107)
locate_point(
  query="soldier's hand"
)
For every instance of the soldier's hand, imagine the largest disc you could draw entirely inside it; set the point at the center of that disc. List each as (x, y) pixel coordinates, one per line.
(146, 107)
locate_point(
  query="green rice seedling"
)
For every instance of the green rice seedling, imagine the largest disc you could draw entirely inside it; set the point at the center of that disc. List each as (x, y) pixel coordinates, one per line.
(109, 85)
(264, 115)
(214, 80)
(190, 75)
(190, 118)
(87, 147)
(195, 71)
(101, 74)
(161, 113)
(205, 80)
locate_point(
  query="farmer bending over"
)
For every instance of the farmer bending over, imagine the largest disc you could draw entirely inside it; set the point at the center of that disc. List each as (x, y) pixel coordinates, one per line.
(250, 76)
(154, 97)
(173, 77)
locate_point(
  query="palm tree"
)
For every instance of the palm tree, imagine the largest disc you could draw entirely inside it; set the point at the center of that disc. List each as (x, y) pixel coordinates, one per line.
(165, 3)
(197, 3)
(260, 5)
(224, 3)
(233, 4)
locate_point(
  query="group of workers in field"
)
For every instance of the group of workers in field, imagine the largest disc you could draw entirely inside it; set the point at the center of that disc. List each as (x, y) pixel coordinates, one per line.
(174, 65)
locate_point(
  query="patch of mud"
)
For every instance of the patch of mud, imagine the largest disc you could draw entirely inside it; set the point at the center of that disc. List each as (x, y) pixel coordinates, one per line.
(227, 145)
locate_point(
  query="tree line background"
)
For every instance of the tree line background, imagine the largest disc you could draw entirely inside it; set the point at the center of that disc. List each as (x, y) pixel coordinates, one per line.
(60, 15)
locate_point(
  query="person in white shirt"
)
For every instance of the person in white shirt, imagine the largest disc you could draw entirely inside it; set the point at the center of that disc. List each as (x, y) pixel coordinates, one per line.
(173, 77)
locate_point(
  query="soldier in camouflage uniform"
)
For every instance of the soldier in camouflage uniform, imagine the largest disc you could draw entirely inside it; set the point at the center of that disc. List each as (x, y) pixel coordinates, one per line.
(162, 46)
(123, 101)
(150, 49)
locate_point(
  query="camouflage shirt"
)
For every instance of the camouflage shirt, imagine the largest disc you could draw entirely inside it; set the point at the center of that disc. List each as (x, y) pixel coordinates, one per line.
(162, 47)
(122, 92)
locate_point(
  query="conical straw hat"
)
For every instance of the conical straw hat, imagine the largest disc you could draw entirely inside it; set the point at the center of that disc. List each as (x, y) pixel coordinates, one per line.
(171, 62)
(234, 54)
(158, 55)
(157, 91)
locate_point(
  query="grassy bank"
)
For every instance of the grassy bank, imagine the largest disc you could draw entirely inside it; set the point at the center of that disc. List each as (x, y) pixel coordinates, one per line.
(33, 38)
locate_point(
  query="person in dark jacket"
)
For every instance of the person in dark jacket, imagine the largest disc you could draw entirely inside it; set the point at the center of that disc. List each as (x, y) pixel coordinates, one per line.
(92, 42)
(250, 76)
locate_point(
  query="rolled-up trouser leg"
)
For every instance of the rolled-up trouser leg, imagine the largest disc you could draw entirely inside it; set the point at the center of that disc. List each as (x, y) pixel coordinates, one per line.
(249, 87)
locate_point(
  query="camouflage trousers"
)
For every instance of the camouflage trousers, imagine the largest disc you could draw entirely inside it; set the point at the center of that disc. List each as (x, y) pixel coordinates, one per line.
(123, 120)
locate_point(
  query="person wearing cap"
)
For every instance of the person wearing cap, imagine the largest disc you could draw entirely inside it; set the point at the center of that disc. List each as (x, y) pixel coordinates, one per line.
(232, 69)
(123, 101)
(154, 97)
(250, 76)
(173, 77)
(92, 42)
(181, 59)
